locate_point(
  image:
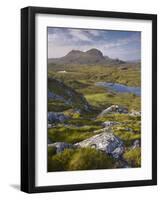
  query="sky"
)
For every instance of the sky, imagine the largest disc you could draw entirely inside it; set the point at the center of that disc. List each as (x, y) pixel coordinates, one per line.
(125, 45)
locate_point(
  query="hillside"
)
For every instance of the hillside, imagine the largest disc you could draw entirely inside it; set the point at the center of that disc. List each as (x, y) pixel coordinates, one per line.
(63, 96)
(92, 56)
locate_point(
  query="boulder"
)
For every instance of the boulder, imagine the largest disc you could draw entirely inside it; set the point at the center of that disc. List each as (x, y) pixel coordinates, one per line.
(106, 142)
(60, 146)
(56, 117)
(113, 109)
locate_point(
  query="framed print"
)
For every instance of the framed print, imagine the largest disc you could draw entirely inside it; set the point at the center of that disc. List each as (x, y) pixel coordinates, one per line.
(88, 99)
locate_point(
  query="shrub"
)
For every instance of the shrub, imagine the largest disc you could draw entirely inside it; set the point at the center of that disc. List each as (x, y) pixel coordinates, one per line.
(59, 162)
(80, 159)
(133, 157)
(51, 151)
(88, 158)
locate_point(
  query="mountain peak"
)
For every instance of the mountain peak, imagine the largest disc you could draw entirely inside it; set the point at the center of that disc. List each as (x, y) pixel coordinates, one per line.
(95, 52)
(72, 52)
(92, 56)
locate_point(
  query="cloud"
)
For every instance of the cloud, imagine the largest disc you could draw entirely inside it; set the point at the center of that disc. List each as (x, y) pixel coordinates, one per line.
(121, 44)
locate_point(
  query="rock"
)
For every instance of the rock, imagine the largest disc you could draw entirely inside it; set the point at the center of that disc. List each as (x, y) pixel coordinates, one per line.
(106, 142)
(136, 144)
(60, 146)
(49, 125)
(59, 91)
(135, 113)
(51, 95)
(113, 109)
(129, 129)
(49, 141)
(109, 123)
(55, 117)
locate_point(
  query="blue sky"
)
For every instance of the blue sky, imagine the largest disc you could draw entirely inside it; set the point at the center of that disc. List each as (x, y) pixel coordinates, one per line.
(125, 45)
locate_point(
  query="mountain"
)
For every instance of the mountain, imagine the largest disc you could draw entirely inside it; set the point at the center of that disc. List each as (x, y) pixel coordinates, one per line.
(64, 95)
(92, 56)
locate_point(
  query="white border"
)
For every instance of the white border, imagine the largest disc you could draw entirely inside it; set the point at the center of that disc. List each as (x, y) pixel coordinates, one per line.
(94, 176)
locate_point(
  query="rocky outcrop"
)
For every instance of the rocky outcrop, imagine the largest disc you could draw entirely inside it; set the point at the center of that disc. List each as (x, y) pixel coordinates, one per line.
(60, 92)
(106, 142)
(60, 146)
(113, 109)
(56, 117)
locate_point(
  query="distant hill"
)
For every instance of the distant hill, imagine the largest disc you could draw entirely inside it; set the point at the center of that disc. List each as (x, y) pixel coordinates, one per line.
(92, 56)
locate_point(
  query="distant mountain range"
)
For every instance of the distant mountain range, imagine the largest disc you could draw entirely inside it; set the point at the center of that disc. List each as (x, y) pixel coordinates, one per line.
(92, 56)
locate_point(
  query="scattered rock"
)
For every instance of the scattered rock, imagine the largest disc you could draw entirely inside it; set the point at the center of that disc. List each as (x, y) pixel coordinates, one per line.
(51, 95)
(129, 129)
(135, 113)
(136, 144)
(55, 117)
(109, 123)
(60, 146)
(106, 142)
(113, 109)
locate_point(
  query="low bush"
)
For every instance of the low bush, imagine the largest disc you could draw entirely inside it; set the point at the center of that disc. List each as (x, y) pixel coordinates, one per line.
(80, 159)
(133, 157)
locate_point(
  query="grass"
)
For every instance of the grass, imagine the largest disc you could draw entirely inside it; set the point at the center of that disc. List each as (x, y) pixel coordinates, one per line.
(80, 159)
(133, 157)
(129, 128)
(104, 100)
(96, 73)
(80, 80)
(71, 134)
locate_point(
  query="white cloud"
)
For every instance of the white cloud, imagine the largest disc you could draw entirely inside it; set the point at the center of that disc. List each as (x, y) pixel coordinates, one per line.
(79, 35)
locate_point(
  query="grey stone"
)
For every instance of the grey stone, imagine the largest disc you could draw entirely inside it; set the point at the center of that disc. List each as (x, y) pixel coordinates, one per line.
(136, 144)
(60, 146)
(134, 113)
(54, 117)
(113, 109)
(106, 142)
(109, 123)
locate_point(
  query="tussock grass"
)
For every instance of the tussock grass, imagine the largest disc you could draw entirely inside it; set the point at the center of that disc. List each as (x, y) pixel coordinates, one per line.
(80, 159)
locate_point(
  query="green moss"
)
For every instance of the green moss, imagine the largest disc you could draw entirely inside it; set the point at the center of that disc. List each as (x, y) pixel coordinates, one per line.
(80, 159)
(133, 157)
